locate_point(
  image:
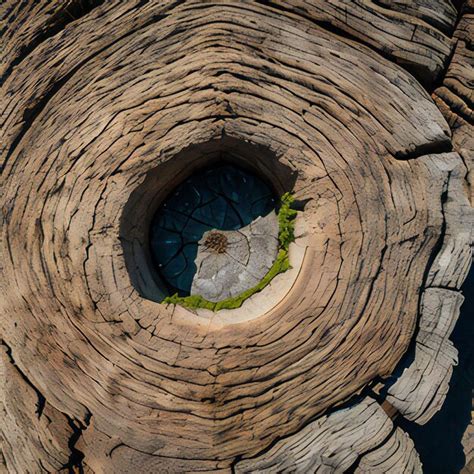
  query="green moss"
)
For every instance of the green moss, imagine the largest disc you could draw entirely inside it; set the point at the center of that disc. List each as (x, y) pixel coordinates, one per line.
(286, 221)
(286, 235)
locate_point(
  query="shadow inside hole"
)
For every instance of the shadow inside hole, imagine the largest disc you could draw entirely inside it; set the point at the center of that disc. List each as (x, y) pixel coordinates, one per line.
(158, 184)
(222, 197)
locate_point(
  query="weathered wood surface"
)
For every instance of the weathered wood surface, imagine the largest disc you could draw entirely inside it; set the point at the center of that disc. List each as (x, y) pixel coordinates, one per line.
(455, 95)
(409, 36)
(361, 436)
(452, 262)
(397, 454)
(468, 444)
(34, 435)
(420, 391)
(90, 110)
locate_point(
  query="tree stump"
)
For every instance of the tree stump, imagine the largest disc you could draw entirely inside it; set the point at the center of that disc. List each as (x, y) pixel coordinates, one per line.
(360, 110)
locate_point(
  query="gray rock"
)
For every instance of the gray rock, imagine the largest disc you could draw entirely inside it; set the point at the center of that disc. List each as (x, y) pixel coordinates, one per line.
(230, 262)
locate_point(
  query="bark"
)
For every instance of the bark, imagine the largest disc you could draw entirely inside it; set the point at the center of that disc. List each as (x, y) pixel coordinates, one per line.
(108, 105)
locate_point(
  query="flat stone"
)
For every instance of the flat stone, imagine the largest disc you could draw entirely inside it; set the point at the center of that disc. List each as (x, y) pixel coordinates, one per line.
(248, 255)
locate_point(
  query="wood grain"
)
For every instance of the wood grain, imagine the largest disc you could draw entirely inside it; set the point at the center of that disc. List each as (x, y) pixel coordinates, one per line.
(126, 93)
(361, 436)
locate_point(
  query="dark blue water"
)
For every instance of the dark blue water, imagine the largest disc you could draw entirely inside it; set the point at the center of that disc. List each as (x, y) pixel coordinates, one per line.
(224, 197)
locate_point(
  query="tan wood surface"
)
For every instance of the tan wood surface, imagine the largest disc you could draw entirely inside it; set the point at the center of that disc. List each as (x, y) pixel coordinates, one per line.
(98, 101)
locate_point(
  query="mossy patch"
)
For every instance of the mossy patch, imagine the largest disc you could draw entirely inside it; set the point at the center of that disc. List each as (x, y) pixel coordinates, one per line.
(286, 235)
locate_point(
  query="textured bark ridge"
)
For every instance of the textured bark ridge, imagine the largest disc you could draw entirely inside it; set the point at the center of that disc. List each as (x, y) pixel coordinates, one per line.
(455, 94)
(106, 107)
(362, 436)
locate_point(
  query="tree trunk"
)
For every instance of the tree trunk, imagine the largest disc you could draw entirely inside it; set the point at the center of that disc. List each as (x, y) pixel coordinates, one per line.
(361, 110)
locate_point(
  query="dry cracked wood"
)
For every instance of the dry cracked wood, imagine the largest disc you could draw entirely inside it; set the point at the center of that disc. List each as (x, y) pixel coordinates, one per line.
(95, 108)
(335, 443)
(420, 391)
(34, 435)
(409, 36)
(468, 444)
(396, 454)
(455, 95)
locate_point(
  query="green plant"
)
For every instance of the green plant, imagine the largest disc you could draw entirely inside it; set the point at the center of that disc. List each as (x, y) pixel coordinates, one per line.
(286, 235)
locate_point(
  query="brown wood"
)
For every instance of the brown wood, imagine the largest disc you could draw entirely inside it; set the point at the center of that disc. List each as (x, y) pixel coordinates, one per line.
(105, 105)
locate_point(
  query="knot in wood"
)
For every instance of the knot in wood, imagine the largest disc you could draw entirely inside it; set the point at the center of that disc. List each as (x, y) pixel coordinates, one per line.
(216, 242)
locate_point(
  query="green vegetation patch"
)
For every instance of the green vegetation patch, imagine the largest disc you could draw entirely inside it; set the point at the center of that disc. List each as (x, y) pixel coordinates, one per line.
(286, 235)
